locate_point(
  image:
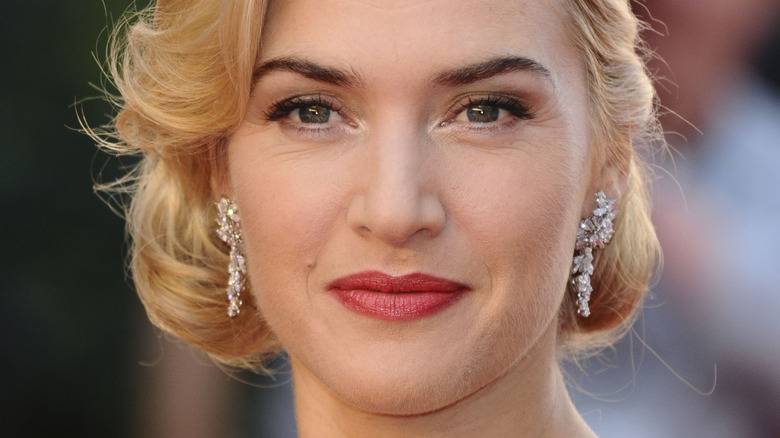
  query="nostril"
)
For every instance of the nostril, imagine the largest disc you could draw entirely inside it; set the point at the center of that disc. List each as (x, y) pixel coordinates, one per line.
(397, 190)
(396, 221)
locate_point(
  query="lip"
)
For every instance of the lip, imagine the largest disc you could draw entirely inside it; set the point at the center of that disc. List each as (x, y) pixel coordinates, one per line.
(402, 298)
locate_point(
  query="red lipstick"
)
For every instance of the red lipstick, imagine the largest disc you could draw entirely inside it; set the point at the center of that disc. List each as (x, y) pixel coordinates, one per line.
(403, 298)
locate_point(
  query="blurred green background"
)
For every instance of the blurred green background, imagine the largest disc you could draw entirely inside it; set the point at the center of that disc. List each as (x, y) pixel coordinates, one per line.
(68, 316)
(79, 357)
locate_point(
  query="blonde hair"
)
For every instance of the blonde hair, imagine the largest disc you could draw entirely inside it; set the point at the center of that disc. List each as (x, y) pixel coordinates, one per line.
(184, 70)
(622, 106)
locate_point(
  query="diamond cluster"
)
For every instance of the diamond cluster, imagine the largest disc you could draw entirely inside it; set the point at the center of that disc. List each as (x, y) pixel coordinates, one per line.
(229, 230)
(594, 232)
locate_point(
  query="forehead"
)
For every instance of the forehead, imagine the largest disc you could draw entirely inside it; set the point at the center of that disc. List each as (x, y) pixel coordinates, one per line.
(375, 37)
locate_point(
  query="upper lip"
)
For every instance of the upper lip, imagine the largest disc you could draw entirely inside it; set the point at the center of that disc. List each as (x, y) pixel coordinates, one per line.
(381, 282)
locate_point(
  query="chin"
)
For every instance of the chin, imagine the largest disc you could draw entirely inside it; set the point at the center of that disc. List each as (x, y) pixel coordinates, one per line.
(418, 381)
(404, 396)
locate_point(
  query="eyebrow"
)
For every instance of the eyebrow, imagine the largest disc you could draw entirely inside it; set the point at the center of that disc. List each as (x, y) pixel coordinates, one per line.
(307, 69)
(492, 67)
(459, 76)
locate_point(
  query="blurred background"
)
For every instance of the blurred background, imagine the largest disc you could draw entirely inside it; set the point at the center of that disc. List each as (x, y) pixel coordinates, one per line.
(704, 357)
(79, 358)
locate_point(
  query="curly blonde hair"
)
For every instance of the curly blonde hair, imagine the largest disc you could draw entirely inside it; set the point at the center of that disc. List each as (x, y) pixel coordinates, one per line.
(184, 71)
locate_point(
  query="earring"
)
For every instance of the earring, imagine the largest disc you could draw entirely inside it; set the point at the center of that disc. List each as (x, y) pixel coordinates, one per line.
(594, 232)
(229, 230)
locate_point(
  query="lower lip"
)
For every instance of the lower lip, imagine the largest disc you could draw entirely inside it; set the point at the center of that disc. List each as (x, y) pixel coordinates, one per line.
(435, 295)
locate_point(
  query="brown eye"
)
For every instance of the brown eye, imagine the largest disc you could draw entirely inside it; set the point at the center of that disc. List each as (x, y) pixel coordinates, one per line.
(482, 113)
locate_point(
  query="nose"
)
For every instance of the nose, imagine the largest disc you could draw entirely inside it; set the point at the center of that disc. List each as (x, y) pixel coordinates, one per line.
(399, 197)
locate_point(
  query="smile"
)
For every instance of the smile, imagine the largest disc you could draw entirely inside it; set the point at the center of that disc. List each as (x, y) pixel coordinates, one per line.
(403, 298)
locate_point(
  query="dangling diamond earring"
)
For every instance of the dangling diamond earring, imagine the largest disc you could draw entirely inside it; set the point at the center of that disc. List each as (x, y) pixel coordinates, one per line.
(229, 231)
(594, 232)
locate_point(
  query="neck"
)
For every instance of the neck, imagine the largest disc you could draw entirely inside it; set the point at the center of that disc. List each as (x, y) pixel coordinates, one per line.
(529, 401)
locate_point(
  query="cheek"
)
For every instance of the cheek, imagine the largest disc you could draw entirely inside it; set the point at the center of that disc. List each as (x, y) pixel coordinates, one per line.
(523, 210)
(281, 228)
(525, 233)
(288, 201)
(287, 215)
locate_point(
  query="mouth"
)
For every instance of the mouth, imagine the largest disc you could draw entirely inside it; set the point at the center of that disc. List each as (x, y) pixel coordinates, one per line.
(413, 296)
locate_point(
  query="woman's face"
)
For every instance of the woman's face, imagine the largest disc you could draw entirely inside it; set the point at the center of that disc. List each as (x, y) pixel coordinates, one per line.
(410, 177)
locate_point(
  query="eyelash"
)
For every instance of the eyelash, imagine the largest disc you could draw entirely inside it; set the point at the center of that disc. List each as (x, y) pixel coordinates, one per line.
(283, 108)
(513, 106)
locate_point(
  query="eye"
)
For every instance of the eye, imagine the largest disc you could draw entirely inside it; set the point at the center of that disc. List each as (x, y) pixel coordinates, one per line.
(314, 110)
(312, 114)
(483, 113)
(491, 109)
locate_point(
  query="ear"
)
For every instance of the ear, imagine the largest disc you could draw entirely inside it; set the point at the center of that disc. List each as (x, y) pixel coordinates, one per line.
(612, 180)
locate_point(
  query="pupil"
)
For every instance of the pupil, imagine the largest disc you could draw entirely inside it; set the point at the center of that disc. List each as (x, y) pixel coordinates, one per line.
(314, 114)
(482, 113)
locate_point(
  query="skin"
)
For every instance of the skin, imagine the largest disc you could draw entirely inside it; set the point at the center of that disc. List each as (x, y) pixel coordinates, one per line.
(399, 180)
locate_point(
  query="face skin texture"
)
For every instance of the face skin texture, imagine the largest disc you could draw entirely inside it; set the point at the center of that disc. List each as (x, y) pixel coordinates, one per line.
(399, 180)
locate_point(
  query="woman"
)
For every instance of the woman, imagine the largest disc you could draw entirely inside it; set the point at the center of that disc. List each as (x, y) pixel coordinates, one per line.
(411, 193)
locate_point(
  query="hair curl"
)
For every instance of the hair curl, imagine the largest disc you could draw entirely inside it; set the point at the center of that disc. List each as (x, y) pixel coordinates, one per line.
(623, 117)
(184, 72)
